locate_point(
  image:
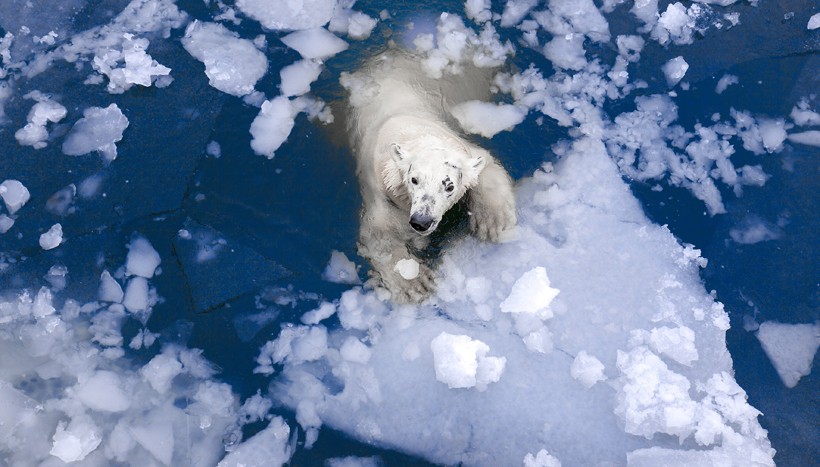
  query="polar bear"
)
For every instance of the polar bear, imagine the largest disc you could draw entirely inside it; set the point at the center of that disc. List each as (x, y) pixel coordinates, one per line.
(413, 166)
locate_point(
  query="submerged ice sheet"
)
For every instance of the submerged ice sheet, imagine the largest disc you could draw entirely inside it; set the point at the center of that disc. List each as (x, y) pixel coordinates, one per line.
(573, 215)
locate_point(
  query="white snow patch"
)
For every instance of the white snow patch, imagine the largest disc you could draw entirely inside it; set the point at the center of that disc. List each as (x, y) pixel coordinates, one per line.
(790, 347)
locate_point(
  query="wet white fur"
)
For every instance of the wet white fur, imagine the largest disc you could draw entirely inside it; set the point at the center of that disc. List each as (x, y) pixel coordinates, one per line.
(401, 133)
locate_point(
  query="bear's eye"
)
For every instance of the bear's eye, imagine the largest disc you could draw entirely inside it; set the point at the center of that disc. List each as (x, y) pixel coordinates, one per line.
(414, 181)
(449, 188)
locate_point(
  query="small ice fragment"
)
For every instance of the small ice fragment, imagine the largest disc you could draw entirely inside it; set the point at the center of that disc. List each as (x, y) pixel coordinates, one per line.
(790, 347)
(99, 130)
(110, 290)
(136, 295)
(587, 369)
(316, 316)
(675, 70)
(488, 119)
(353, 350)
(233, 65)
(75, 442)
(407, 268)
(341, 270)
(542, 459)
(814, 22)
(14, 195)
(272, 126)
(316, 43)
(160, 371)
(52, 238)
(6, 223)
(103, 391)
(142, 259)
(291, 15)
(809, 138)
(60, 203)
(270, 446)
(297, 77)
(461, 362)
(724, 82)
(531, 293)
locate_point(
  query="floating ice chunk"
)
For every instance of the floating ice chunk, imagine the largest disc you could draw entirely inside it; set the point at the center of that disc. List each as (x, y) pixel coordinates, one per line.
(772, 134)
(34, 134)
(587, 369)
(542, 459)
(296, 78)
(15, 195)
(214, 150)
(802, 115)
(675, 24)
(488, 119)
(461, 362)
(294, 344)
(407, 268)
(355, 24)
(60, 203)
(289, 15)
(98, 130)
(325, 311)
(566, 51)
(137, 66)
(675, 69)
(160, 371)
(42, 305)
(270, 446)
(754, 230)
(317, 43)
(724, 82)
(341, 270)
(790, 347)
(136, 295)
(531, 293)
(142, 259)
(90, 186)
(110, 290)
(809, 138)
(478, 10)
(53, 238)
(272, 126)
(515, 11)
(6, 223)
(583, 17)
(814, 22)
(103, 391)
(630, 47)
(78, 440)
(232, 64)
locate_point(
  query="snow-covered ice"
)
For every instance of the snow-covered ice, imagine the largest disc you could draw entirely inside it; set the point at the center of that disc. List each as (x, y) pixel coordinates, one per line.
(289, 15)
(297, 77)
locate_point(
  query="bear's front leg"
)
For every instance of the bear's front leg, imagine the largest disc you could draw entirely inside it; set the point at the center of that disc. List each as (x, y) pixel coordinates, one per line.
(379, 243)
(492, 203)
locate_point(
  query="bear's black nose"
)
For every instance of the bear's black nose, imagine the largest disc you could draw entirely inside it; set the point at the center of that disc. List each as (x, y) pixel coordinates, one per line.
(420, 222)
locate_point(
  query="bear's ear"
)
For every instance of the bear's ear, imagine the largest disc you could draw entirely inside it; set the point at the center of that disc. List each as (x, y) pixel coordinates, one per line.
(472, 168)
(396, 152)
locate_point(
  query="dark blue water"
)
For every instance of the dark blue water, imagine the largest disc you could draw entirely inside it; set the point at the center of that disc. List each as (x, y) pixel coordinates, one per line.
(282, 217)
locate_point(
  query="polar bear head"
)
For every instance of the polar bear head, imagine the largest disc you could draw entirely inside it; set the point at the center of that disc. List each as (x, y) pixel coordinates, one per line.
(430, 174)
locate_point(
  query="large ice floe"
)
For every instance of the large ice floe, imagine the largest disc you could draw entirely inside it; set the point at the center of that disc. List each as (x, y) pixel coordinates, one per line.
(586, 338)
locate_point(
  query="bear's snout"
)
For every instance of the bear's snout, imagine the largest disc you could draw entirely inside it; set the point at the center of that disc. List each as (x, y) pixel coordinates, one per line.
(421, 222)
